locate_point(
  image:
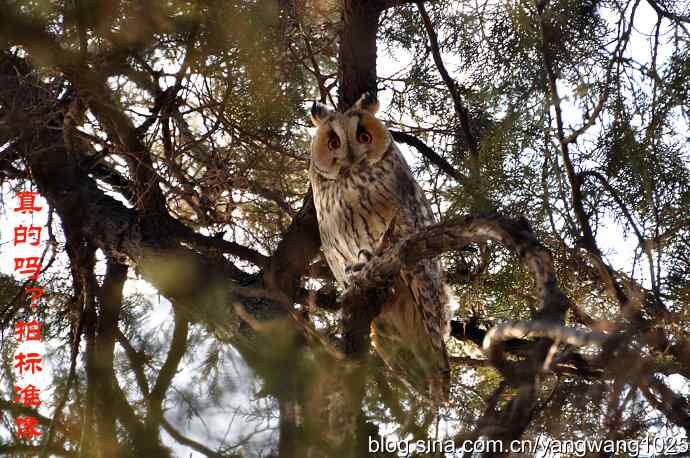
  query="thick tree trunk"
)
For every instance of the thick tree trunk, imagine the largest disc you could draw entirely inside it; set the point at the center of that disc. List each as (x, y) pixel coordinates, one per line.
(357, 61)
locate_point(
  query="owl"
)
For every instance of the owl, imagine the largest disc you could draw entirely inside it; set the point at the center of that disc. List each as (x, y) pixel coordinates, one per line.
(364, 192)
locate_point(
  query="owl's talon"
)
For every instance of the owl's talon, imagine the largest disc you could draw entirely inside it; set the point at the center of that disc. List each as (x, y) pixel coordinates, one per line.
(366, 254)
(352, 269)
(363, 257)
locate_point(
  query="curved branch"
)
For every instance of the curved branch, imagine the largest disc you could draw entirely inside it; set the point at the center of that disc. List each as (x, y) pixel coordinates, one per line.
(370, 286)
(516, 235)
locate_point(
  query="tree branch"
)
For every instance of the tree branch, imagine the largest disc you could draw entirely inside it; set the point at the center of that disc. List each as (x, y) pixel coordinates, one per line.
(428, 153)
(178, 347)
(450, 83)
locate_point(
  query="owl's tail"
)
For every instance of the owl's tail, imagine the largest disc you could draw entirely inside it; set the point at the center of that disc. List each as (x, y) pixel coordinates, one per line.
(402, 340)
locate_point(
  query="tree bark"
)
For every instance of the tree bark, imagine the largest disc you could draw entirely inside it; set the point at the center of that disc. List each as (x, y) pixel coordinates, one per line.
(357, 60)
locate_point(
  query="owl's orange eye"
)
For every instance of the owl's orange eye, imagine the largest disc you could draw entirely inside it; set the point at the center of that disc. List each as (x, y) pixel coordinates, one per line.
(364, 137)
(334, 143)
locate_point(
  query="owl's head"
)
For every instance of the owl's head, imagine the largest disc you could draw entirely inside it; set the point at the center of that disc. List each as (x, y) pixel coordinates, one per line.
(344, 141)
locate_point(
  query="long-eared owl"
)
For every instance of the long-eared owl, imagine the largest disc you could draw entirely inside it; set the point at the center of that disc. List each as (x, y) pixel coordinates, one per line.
(364, 191)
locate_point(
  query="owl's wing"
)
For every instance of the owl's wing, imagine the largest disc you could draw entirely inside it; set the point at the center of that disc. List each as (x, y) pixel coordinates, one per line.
(426, 285)
(424, 279)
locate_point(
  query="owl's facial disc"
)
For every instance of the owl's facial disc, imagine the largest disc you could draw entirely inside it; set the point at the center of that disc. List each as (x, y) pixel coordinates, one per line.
(371, 134)
(346, 141)
(329, 148)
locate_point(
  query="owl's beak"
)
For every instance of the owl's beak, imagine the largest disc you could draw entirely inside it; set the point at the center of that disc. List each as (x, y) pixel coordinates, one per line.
(350, 158)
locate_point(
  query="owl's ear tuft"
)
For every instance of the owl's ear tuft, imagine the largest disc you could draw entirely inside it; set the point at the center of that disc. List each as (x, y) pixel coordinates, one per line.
(319, 112)
(368, 102)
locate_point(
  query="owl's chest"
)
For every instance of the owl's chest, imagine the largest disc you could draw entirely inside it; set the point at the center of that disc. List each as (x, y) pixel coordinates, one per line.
(353, 213)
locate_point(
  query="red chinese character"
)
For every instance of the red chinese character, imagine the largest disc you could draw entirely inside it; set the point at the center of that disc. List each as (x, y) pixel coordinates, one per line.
(28, 396)
(27, 202)
(21, 232)
(27, 331)
(28, 362)
(30, 265)
(36, 294)
(26, 428)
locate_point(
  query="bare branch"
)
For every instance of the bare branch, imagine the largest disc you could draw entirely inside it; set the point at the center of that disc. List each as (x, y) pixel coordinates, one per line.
(428, 153)
(451, 84)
